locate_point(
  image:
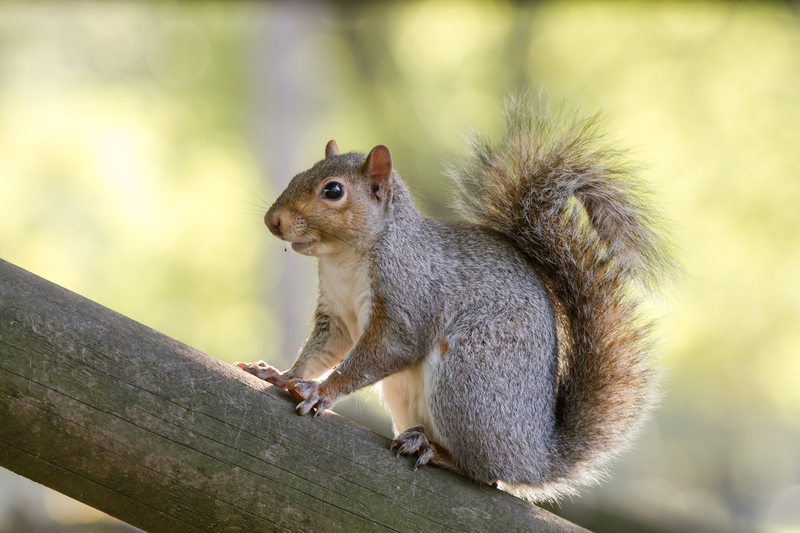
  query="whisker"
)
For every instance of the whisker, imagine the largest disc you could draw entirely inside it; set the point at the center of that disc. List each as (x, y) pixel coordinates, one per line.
(312, 226)
(260, 206)
(259, 198)
(254, 213)
(256, 229)
(329, 234)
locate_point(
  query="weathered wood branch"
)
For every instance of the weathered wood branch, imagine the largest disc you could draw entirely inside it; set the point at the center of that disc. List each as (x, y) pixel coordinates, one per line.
(166, 438)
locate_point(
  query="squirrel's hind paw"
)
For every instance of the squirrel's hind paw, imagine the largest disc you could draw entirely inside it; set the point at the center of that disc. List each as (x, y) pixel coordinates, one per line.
(414, 440)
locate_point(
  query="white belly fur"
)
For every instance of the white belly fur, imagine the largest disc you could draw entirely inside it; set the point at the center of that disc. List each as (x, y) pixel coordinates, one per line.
(405, 395)
(345, 292)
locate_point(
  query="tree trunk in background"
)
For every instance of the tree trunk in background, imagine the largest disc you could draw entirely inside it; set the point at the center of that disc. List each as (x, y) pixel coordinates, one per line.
(286, 101)
(284, 104)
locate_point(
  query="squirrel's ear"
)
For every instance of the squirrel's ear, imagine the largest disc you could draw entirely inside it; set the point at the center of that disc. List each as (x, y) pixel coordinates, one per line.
(378, 168)
(331, 149)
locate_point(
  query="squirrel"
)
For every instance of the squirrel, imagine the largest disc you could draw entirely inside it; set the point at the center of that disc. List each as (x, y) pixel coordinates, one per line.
(511, 346)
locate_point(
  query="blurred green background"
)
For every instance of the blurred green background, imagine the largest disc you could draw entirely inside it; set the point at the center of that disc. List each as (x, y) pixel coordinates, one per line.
(140, 144)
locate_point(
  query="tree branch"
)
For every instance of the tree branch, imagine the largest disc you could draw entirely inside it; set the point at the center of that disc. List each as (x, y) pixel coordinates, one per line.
(166, 438)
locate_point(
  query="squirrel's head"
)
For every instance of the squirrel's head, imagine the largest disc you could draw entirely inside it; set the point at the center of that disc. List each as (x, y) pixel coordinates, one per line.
(337, 204)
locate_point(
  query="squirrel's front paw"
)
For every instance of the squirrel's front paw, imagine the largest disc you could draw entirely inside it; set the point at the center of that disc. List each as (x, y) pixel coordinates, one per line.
(307, 393)
(266, 372)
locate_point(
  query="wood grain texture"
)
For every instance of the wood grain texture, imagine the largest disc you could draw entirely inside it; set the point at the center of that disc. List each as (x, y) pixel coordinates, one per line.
(166, 438)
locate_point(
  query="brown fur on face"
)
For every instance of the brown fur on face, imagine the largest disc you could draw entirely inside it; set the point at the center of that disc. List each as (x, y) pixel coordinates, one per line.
(316, 225)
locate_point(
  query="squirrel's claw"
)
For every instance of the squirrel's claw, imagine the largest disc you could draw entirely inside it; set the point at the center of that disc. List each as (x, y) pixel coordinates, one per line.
(264, 371)
(425, 455)
(410, 441)
(414, 441)
(307, 393)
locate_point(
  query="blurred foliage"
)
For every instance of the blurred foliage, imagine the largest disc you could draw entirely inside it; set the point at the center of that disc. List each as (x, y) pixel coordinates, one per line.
(125, 181)
(128, 166)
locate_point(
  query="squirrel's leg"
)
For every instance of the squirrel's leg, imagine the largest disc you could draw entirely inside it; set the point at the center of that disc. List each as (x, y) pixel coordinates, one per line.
(377, 354)
(324, 348)
(491, 393)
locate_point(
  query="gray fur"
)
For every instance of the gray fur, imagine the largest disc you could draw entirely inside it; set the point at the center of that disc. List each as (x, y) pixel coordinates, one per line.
(523, 321)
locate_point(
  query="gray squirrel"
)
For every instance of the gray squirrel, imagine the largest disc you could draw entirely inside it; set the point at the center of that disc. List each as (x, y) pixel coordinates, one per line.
(511, 347)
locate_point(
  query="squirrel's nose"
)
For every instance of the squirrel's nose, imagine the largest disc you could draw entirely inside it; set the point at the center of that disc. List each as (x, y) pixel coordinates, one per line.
(273, 222)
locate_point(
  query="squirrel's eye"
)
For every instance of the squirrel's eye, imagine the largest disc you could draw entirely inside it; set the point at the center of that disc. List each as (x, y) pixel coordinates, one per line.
(333, 190)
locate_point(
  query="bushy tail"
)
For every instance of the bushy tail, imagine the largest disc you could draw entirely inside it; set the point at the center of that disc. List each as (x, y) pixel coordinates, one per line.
(571, 202)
